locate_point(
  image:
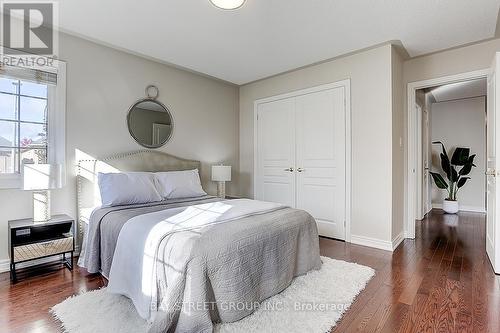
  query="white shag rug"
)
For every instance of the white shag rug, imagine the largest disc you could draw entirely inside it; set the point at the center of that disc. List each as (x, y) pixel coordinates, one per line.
(312, 303)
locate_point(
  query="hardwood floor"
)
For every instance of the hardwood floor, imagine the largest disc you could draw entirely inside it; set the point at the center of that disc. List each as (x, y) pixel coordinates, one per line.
(440, 282)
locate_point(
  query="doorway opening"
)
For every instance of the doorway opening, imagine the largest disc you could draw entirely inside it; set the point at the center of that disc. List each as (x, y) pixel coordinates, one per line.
(454, 114)
(451, 110)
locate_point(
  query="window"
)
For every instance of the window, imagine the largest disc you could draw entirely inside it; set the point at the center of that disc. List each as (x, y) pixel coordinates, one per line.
(23, 124)
(32, 119)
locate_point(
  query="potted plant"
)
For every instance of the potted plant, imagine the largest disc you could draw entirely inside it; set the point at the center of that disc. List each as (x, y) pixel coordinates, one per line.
(456, 179)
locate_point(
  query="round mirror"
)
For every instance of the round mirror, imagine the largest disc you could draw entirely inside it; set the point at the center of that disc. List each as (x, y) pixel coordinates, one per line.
(150, 123)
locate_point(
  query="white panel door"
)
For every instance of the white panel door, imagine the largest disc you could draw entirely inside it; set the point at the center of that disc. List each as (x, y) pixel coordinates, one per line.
(420, 169)
(492, 218)
(321, 159)
(276, 152)
(426, 158)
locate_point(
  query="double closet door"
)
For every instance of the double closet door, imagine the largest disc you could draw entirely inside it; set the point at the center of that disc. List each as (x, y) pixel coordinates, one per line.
(301, 155)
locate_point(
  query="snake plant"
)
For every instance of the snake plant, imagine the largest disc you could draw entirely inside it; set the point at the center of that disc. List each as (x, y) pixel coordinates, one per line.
(456, 179)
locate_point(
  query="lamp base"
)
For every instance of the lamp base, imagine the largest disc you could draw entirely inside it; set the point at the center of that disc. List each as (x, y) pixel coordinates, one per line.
(41, 206)
(221, 190)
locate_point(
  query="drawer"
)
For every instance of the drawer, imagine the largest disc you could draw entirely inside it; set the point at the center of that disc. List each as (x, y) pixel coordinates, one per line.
(42, 249)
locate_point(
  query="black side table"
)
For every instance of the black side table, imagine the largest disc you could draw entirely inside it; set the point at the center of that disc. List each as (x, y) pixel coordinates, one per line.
(30, 240)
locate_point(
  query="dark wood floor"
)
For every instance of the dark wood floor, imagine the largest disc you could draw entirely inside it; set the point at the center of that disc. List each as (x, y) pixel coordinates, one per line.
(440, 282)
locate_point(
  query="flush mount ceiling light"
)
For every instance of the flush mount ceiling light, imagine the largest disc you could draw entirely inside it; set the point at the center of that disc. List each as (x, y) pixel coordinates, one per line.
(227, 4)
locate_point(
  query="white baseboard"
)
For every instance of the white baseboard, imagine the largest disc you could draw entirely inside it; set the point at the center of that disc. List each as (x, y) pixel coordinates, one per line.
(397, 240)
(462, 208)
(5, 263)
(371, 242)
(378, 243)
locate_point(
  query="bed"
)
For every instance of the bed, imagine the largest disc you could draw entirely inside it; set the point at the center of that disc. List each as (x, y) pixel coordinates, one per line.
(187, 263)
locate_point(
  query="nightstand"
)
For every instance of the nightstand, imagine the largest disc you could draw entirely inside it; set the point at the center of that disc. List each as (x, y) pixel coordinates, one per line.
(30, 240)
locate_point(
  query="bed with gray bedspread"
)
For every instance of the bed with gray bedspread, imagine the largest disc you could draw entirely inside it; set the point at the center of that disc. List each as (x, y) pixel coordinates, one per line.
(246, 261)
(106, 223)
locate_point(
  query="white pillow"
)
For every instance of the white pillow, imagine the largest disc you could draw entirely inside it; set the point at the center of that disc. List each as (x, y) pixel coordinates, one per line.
(179, 184)
(127, 188)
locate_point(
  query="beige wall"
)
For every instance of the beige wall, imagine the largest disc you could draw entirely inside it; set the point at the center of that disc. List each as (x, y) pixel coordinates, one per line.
(102, 83)
(455, 61)
(397, 145)
(370, 74)
(467, 130)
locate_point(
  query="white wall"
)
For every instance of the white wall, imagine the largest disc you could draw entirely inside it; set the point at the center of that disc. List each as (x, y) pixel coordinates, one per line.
(397, 146)
(461, 123)
(371, 103)
(102, 83)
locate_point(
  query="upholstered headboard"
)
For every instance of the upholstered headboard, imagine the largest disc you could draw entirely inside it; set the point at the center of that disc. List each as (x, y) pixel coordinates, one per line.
(143, 160)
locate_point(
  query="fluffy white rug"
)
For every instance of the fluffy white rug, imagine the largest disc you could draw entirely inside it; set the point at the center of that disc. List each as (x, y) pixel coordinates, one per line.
(312, 303)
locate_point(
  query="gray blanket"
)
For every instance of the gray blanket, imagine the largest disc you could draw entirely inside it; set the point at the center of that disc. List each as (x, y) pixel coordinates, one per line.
(106, 223)
(235, 266)
(217, 273)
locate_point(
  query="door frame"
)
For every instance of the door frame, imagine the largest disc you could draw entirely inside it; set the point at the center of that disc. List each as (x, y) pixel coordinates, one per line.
(346, 84)
(411, 140)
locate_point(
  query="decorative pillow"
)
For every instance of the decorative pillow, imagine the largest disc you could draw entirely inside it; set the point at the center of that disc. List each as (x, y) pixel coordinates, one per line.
(127, 188)
(179, 184)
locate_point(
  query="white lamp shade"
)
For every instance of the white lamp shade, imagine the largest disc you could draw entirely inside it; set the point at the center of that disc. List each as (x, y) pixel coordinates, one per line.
(42, 176)
(221, 173)
(228, 4)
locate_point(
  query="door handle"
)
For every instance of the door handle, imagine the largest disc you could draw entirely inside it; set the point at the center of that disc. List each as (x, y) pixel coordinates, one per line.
(300, 170)
(289, 169)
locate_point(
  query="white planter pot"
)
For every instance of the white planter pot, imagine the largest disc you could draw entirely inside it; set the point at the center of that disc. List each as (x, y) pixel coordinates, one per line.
(450, 207)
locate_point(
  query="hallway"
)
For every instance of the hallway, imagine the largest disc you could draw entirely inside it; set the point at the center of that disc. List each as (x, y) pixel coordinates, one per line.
(440, 282)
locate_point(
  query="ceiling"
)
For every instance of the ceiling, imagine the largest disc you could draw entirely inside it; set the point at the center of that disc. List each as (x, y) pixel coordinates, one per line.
(460, 90)
(267, 37)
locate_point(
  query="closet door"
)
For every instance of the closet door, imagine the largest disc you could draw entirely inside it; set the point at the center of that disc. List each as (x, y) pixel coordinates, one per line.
(276, 152)
(320, 163)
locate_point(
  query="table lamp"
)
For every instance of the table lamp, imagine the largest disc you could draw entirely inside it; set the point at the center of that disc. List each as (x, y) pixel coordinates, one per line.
(221, 174)
(41, 178)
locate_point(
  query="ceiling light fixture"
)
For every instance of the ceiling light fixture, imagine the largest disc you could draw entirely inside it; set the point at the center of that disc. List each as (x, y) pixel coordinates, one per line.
(227, 4)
